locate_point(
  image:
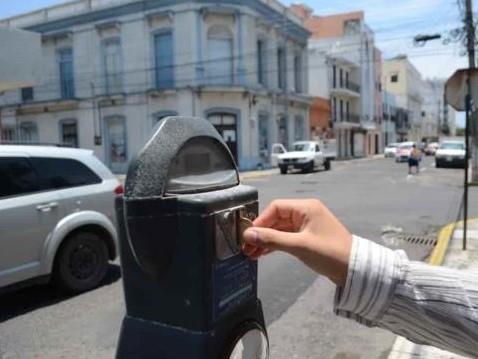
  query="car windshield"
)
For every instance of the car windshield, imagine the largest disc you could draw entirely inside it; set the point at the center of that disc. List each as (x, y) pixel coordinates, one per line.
(452, 146)
(406, 147)
(302, 147)
(392, 145)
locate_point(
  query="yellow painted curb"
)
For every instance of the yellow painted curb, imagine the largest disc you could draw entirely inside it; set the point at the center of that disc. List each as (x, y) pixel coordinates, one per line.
(438, 254)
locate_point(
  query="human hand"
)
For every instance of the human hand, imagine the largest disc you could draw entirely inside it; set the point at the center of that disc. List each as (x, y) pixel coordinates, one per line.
(307, 230)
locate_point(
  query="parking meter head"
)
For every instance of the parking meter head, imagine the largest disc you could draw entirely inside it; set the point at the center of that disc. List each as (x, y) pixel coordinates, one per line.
(184, 156)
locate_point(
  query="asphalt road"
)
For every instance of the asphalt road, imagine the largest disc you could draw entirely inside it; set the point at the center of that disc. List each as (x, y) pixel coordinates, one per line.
(366, 195)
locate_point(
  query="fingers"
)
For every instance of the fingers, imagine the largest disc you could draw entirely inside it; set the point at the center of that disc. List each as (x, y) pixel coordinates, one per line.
(286, 214)
(271, 239)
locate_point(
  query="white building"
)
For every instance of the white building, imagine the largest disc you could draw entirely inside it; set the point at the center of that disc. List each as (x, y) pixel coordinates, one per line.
(342, 67)
(112, 69)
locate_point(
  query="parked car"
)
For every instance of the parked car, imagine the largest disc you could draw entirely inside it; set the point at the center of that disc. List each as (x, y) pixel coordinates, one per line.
(277, 150)
(304, 155)
(57, 217)
(391, 150)
(450, 154)
(431, 148)
(403, 151)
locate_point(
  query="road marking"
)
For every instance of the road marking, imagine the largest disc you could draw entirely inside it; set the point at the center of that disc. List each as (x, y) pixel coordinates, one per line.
(423, 169)
(309, 175)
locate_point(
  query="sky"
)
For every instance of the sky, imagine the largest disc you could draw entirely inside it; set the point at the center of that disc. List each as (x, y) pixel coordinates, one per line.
(394, 23)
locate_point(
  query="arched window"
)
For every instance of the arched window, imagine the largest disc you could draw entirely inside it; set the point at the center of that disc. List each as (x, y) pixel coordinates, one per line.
(220, 55)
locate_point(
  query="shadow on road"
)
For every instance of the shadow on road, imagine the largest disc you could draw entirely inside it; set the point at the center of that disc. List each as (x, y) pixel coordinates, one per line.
(25, 300)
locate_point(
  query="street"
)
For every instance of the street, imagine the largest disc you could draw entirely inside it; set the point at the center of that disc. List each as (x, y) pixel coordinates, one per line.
(370, 196)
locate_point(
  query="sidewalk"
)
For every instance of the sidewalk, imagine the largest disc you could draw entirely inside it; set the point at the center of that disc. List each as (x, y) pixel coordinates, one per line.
(454, 257)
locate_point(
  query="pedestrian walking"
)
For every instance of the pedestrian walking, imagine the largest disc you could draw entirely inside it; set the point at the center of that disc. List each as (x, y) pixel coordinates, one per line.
(376, 286)
(414, 160)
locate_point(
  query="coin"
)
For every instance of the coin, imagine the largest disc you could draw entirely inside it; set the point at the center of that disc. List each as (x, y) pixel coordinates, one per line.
(244, 223)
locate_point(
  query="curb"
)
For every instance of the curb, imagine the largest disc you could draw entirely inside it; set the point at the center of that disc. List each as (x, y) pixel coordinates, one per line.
(438, 254)
(436, 259)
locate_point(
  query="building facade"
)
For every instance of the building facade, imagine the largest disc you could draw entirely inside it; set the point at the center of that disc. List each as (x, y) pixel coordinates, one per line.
(342, 58)
(403, 80)
(112, 70)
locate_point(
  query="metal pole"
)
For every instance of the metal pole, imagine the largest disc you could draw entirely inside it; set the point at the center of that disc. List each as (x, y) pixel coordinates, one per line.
(470, 34)
(467, 157)
(470, 40)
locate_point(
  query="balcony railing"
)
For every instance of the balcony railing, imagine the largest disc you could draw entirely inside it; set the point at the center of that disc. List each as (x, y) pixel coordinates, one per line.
(352, 86)
(351, 117)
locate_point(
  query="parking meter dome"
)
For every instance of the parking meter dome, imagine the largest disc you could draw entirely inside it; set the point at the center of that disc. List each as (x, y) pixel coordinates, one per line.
(184, 155)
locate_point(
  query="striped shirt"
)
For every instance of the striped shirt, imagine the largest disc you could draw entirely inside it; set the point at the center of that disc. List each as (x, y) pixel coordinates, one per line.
(426, 304)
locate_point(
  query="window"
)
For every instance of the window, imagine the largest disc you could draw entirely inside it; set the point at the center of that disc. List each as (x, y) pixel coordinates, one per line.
(281, 68)
(394, 78)
(347, 109)
(351, 26)
(28, 132)
(164, 60)
(261, 69)
(17, 177)
(220, 52)
(58, 173)
(341, 78)
(334, 75)
(8, 134)
(112, 65)
(347, 79)
(116, 147)
(27, 94)
(298, 73)
(69, 133)
(334, 108)
(299, 128)
(341, 110)
(65, 63)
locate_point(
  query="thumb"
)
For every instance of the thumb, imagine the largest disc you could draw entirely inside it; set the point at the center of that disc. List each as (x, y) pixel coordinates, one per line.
(271, 239)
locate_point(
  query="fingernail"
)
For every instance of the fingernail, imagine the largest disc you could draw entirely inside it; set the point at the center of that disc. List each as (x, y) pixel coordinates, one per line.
(253, 236)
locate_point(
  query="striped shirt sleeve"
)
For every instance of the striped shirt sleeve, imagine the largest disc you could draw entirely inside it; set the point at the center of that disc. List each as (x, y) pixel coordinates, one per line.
(426, 304)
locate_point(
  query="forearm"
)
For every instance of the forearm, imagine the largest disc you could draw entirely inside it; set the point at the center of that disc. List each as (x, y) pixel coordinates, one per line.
(428, 305)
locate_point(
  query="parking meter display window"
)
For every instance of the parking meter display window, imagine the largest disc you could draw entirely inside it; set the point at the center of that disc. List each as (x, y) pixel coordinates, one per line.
(201, 165)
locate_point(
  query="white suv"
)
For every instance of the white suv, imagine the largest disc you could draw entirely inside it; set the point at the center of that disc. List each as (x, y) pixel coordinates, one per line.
(57, 217)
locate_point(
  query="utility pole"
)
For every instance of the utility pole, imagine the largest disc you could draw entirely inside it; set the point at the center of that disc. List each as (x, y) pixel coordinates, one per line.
(470, 44)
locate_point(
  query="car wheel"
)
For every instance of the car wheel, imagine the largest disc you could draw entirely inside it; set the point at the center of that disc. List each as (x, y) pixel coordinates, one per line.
(437, 165)
(283, 170)
(81, 263)
(327, 165)
(310, 167)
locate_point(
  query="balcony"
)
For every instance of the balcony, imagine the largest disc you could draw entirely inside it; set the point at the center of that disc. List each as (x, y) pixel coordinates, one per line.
(349, 89)
(346, 120)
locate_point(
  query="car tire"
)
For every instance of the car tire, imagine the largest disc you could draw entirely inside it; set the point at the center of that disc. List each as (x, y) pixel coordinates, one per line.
(437, 165)
(327, 165)
(81, 263)
(310, 167)
(283, 170)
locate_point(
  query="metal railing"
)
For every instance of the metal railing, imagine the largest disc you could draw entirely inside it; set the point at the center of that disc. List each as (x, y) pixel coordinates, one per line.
(352, 86)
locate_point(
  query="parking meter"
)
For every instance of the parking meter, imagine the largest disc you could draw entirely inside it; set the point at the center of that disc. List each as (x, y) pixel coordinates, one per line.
(190, 292)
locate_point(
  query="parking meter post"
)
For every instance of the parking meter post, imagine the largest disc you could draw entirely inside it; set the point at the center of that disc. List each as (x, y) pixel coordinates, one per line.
(189, 290)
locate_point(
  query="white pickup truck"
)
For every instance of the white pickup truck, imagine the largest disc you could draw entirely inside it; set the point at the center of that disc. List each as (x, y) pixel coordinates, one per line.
(306, 156)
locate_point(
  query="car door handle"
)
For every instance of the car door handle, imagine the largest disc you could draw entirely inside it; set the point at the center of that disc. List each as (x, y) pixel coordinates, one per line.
(47, 206)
